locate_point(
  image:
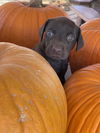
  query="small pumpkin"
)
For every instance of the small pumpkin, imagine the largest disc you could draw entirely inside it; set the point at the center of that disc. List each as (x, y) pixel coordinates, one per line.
(83, 97)
(32, 99)
(90, 53)
(20, 23)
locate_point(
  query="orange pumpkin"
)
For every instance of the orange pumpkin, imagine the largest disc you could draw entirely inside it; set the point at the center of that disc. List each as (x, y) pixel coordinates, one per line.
(83, 97)
(20, 23)
(90, 53)
(32, 99)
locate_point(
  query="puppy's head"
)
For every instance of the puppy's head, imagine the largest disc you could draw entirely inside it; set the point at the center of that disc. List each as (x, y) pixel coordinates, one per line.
(58, 37)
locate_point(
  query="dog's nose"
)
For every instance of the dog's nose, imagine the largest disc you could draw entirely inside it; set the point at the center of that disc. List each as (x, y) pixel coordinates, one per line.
(57, 50)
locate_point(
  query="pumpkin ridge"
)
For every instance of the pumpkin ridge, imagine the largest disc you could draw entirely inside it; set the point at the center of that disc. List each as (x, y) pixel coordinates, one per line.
(36, 24)
(84, 94)
(88, 41)
(81, 83)
(92, 110)
(6, 16)
(10, 24)
(78, 107)
(26, 13)
(82, 122)
(21, 12)
(98, 128)
(94, 47)
(83, 73)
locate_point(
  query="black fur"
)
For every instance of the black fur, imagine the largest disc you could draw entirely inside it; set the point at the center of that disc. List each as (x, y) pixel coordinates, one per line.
(58, 37)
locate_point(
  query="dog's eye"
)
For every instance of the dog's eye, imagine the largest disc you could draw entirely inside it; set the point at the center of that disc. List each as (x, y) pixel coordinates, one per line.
(49, 34)
(70, 37)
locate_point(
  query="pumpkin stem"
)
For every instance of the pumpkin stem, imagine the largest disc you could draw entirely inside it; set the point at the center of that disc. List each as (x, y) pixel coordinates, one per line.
(35, 3)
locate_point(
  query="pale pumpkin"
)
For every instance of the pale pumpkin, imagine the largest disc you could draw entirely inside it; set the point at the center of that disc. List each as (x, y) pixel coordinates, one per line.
(20, 23)
(83, 96)
(90, 53)
(32, 99)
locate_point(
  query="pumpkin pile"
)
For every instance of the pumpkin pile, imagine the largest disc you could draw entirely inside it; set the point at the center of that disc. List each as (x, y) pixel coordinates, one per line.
(20, 23)
(83, 87)
(32, 99)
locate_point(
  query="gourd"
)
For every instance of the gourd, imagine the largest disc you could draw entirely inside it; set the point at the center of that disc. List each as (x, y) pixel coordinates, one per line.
(83, 97)
(32, 99)
(20, 22)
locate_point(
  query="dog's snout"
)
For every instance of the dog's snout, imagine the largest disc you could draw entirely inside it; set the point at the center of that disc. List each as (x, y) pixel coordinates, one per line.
(57, 50)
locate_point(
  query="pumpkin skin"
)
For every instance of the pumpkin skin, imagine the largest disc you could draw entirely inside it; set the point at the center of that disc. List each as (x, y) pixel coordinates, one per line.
(32, 99)
(20, 24)
(83, 97)
(90, 53)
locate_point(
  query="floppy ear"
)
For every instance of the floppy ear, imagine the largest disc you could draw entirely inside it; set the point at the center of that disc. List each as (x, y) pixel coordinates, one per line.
(80, 41)
(42, 29)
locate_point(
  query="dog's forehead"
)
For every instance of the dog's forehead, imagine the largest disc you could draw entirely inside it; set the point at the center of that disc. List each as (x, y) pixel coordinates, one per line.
(61, 23)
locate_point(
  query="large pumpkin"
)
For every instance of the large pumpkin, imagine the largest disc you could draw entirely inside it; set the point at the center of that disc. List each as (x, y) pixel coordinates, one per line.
(20, 23)
(90, 53)
(32, 99)
(83, 96)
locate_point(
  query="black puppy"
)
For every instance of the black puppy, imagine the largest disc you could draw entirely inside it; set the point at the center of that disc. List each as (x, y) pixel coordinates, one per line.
(58, 37)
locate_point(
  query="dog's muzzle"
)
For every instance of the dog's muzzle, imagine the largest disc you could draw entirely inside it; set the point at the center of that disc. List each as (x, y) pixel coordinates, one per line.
(57, 51)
